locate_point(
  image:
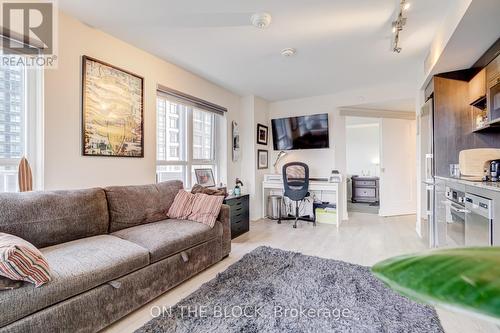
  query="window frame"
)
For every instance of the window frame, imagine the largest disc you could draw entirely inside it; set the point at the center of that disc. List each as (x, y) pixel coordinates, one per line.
(186, 142)
(31, 127)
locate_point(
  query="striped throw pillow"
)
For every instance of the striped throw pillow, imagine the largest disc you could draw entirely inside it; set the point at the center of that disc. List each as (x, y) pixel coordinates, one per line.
(21, 261)
(182, 205)
(206, 208)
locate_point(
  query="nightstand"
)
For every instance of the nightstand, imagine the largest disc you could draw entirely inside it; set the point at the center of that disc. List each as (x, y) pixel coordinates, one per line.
(240, 214)
(365, 189)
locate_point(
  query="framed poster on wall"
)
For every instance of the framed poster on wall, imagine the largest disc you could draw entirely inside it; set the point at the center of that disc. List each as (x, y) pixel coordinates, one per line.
(112, 110)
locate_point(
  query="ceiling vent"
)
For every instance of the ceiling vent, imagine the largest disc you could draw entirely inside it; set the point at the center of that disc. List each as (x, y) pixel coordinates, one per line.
(261, 20)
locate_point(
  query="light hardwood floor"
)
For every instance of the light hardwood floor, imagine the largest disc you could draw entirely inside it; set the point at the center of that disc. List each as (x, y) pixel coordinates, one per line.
(364, 239)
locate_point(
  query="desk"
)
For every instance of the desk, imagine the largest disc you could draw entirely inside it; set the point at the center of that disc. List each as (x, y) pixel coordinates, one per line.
(323, 190)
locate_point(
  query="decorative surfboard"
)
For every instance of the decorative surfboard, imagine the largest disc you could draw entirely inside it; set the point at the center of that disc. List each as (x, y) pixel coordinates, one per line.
(24, 176)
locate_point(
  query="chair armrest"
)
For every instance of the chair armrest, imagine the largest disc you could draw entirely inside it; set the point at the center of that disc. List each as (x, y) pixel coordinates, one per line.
(225, 218)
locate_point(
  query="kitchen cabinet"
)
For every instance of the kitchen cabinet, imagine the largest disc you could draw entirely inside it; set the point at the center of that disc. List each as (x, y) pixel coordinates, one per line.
(493, 86)
(455, 121)
(493, 71)
(477, 87)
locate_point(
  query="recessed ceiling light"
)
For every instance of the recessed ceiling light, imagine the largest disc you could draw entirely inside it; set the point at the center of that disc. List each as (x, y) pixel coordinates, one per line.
(261, 20)
(288, 52)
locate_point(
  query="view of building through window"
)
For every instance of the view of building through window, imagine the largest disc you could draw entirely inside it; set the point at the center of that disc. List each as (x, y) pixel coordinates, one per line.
(12, 124)
(185, 141)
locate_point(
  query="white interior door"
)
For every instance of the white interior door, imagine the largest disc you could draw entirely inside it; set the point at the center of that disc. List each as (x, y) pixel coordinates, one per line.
(398, 173)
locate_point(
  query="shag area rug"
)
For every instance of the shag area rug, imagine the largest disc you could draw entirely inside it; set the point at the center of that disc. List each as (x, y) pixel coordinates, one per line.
(271, 290)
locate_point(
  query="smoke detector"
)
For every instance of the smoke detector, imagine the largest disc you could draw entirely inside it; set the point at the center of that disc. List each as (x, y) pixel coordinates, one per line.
(288, 52)
(261, 20)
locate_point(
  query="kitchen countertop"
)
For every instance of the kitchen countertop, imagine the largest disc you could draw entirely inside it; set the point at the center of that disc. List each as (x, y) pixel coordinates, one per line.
(484, 185)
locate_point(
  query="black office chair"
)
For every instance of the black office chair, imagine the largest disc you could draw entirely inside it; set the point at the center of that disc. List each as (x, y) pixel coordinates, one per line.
(296, 184)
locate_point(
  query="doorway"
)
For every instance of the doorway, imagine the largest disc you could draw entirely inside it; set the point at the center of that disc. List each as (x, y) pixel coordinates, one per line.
(381, 165)
(363, 164)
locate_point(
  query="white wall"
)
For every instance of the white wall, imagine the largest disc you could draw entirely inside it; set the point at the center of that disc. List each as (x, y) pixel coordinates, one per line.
(363, 146)
(65, 167)
(254, 111)
(322, 161)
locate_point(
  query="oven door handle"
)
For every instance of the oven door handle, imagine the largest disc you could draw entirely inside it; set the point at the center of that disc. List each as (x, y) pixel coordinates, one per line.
(459, 210)
(454, 208)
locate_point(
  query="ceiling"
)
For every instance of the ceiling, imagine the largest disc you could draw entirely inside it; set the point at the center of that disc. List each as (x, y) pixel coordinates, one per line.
(341, 44)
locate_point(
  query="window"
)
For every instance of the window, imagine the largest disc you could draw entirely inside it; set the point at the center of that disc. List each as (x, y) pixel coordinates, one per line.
(186, 140)
(19, 109)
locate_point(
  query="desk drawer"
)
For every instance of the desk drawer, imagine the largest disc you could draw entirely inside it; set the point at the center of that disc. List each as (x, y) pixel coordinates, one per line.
(365, 192)
(238, 228)
(238, 202)
(239, 216)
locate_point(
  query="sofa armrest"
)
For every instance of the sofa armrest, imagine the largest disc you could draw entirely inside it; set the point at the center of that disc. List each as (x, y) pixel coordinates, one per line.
(225, 219)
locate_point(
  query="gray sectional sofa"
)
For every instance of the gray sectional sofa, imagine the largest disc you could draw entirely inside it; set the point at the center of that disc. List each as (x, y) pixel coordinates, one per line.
(110, 251)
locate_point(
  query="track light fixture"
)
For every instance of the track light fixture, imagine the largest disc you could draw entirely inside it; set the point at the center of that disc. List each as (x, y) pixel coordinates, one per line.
(398, 25)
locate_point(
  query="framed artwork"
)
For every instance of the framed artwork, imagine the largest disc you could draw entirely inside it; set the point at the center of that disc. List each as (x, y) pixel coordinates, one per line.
(112, 110)
(262, 159)
(262, 134)
(205, 177)
(236, 141)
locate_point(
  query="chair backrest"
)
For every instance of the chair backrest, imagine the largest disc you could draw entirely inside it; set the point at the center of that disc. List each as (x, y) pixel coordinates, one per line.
(296, 180)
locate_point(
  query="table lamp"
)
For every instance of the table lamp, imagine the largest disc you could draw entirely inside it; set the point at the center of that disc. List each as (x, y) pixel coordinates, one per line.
(281, 154)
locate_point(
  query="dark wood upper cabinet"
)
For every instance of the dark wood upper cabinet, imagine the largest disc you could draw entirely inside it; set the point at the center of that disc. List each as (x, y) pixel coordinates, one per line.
(493, 71)
(477, 87)
(452, 122)
(459, 104)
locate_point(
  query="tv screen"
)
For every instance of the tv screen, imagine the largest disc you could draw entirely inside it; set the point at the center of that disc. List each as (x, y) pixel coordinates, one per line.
(304, 132)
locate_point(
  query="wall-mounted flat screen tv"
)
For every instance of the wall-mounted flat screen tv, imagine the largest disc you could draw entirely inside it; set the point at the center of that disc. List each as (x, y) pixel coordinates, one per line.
(304, 132)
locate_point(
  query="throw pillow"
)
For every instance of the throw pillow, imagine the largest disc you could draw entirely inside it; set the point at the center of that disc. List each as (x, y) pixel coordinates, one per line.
(210, 191)
(206, 208)
(21, 261)
(182, 205)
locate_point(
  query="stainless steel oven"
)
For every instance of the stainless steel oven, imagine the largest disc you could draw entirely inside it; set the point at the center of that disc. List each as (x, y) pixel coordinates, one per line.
(455, 217)
(478, 221)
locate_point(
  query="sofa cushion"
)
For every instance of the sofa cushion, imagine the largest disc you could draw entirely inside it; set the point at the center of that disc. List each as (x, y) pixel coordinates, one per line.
(168, 237)
(54, 217)
(134, 205)
(76, 267)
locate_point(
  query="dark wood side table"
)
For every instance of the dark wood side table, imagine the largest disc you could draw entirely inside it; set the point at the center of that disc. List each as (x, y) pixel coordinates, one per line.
(240, 214)
(365, 189)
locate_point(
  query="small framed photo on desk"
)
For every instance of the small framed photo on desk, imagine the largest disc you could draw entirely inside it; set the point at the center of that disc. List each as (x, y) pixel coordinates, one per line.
(205, 177)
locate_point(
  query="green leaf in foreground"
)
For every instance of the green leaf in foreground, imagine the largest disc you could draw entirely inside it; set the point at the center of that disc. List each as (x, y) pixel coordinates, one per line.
(462, 279)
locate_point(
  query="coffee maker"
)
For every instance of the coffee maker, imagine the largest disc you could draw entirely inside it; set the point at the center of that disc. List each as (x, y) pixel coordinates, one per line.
(494, 170)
